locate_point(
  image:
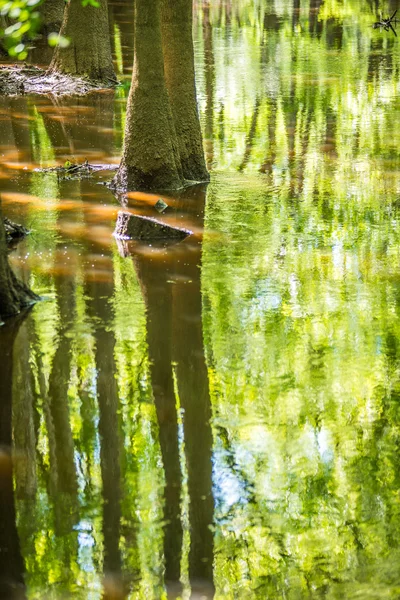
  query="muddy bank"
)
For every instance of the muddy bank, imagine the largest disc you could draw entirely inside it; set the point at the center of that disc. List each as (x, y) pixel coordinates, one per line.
(22, 79)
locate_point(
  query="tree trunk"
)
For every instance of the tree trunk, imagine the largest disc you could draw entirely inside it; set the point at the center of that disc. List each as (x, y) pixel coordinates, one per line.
(209, 77)
(14, 295)
(89, 51)
(177, 18)
(51, 13)
(150, 156)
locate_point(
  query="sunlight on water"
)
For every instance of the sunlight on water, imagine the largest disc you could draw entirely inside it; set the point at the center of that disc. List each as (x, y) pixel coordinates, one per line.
(219, 417)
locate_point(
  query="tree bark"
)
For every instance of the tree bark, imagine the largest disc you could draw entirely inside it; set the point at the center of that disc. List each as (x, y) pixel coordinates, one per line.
(14, 295)
(51, 13)
(150, 156)
(209, 77)
(89, 51)
(177, 18)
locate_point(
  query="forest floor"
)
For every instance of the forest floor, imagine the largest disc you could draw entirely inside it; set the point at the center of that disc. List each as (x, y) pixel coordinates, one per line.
(22, 79)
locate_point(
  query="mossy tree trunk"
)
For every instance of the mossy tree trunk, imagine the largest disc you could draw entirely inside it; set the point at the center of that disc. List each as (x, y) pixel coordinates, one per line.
(51, 13)
(14, 295)
(89, 51)
(150, 157)
(177, 19)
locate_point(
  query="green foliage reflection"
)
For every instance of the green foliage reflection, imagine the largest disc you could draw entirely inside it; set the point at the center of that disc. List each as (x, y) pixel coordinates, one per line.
(297, 314)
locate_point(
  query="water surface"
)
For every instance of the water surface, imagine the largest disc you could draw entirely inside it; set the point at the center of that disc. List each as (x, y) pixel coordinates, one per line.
(217, 418)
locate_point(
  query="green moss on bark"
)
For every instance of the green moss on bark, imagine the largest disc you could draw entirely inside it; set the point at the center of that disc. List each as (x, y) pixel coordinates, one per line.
(89, 51)
(177, 17)
(150, 157)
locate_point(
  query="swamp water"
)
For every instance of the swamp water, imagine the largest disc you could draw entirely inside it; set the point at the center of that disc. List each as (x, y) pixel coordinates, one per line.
(219, 418)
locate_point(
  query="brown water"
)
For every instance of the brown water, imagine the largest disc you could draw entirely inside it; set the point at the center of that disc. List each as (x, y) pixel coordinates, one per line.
(218, 417)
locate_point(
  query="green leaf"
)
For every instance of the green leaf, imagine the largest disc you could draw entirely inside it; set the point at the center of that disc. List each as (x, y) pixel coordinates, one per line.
(55, 39)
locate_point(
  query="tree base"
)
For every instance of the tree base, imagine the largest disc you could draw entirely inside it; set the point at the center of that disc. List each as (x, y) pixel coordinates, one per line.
(194, 169)
(130, 179)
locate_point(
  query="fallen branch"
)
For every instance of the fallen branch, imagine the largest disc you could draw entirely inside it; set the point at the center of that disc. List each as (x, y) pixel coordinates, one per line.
(72, 170)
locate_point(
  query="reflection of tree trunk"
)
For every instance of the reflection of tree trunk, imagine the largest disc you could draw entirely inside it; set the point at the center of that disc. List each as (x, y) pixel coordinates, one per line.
(100, 295)
(73, 132)
(315, 26)
(153, 278)
(18, 108)
(266, 167)
(175, 333)
(59, 408)
(51, 476)
(296, 13)
(251, 136)
(23, 418)
(194, 397)
(11, 562)
(13, 293)
(209, 68)
(122, 16)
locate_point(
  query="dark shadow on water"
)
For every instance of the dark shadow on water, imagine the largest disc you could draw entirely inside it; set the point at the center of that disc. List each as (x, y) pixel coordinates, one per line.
(98, 296)
(12, 568)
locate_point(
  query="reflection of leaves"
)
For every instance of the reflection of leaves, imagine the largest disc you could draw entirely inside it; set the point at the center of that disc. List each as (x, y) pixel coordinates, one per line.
(317, 371)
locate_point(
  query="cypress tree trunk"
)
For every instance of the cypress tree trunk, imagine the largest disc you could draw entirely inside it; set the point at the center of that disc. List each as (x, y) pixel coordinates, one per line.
(89, 51)
(14, 295)
(177, 18)
(51, 13)
(150, 156)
